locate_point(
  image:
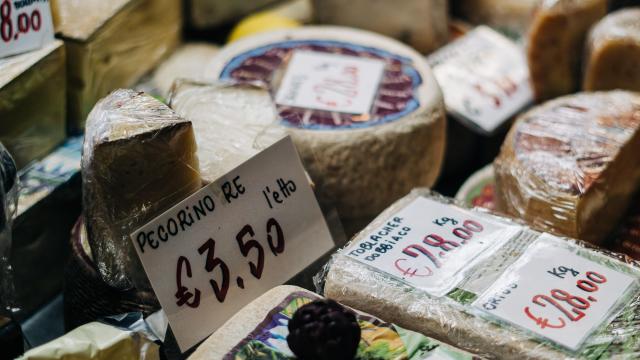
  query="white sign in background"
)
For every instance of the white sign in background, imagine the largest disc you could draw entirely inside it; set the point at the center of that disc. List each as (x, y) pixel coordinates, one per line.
(556, 293)
(330, 82)
(428, 244)
(230, 242)
(24, 25)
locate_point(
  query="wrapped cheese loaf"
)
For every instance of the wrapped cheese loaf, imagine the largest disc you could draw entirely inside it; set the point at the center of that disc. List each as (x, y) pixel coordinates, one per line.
(138, 160)
(471, 279)
(262, 328)
(570, 166)
(613, 52)
(421, 24)
(33, 102)
(555, 44)
(104, 53)
(510, 16)
(364, 111)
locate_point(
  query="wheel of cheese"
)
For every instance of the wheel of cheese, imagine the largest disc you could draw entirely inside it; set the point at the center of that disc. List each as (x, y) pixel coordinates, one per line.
(571, 165)
(555, 44)
(421, 24)
(362, 162)
(509, 16)
(613, 56)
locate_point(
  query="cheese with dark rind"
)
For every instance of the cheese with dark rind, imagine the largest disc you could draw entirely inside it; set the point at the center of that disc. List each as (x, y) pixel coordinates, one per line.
(570, 166)
(210, 13)
(139, 159)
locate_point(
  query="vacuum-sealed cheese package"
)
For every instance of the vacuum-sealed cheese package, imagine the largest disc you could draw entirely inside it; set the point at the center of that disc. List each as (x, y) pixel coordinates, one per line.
(488, 285)
(570, 166)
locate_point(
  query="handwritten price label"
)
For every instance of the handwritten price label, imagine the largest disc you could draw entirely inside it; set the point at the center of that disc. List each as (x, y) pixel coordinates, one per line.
(556, 293)
(428, 244)
(24, 25)
(230, 242)
(330, 82)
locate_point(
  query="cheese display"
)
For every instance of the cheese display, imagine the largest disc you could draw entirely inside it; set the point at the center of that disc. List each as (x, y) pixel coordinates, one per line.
(262, 330)
(139, 159)
(32, 102)
(555, 44)
(8, 199)
(421, 24)
(104, 54)
(364, 111)
(613, 52)
(570, 166)
(508, 16)
(211, 13)
(480, 282)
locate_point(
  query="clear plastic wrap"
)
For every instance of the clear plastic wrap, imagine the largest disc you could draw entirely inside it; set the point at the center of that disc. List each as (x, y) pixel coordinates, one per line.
(613, 52)
(139, 159)
(455, 319)
(8, 206)
(570, 166)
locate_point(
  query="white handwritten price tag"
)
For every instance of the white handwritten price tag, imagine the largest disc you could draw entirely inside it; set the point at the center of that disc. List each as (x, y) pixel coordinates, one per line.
(230, 242)
(484, 78)
(556, 293)
(24, 25)
(330, 82)
(428, 244)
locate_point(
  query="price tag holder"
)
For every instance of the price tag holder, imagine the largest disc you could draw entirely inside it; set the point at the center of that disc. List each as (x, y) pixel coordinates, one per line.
(557, 294)
(24, 25)
(484, 78)
(429, 244)
(227, 244)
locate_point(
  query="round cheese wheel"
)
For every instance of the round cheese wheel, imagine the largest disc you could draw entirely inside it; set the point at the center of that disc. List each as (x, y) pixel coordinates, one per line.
(361, 161)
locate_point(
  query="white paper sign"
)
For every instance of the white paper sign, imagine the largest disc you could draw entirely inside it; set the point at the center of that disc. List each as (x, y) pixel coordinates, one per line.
(484, 78)
(330, 82)
(230, 242)
(428, 244)
(24, 25)
(556, 293)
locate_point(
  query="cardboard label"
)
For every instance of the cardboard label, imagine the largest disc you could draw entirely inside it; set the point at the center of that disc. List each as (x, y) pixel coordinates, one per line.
(484, 78)
(428, 244)
(230, 242)
(556, 293)
(330, 82)
(24, 25)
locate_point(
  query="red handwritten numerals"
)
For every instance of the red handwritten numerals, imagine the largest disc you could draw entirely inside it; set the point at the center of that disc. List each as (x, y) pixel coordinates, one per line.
(576, 303)
(247, 245)
(25, 22)
(433, 241)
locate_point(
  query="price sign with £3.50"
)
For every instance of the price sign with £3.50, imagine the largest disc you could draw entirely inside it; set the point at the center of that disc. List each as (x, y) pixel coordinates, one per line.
(24, 25)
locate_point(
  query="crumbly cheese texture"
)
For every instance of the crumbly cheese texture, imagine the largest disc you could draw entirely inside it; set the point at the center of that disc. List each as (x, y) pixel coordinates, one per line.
(555, 44)
(570, 166)
(510, 16)
(138, 160)
(613, 52)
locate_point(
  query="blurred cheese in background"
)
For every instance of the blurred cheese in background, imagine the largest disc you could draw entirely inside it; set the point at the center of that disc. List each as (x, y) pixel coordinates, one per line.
(32, 102)
(112, 44)
(210, 13)
(511, 17)
(261, 22)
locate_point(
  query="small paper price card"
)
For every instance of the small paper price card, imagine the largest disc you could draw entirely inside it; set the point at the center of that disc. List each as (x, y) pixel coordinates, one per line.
(24, 25)
(230, 242)
(556, 293)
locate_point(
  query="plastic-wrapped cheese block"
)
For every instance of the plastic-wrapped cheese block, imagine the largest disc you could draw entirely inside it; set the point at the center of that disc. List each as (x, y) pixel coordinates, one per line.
(210, 13)
(570, 166)
(421, 24)
(260, 331)
(104, 53)
(138, 160)
(471, 279)
(33, 102)
(613, 52)
(555, 44)
(364, 111)
(509, 16)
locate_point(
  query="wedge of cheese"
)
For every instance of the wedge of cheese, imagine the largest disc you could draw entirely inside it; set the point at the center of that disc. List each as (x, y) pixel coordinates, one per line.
(33, 102)
(111, 44)
(570, 166)
(512, 17)
(139, 159)
(364, 111)
(613, 52)
(555, 44)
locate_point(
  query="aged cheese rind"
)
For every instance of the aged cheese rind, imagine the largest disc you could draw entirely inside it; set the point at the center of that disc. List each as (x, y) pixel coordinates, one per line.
(139, 159)
(509, 16)
(570, 166)
(613, 52)
(555, 44)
